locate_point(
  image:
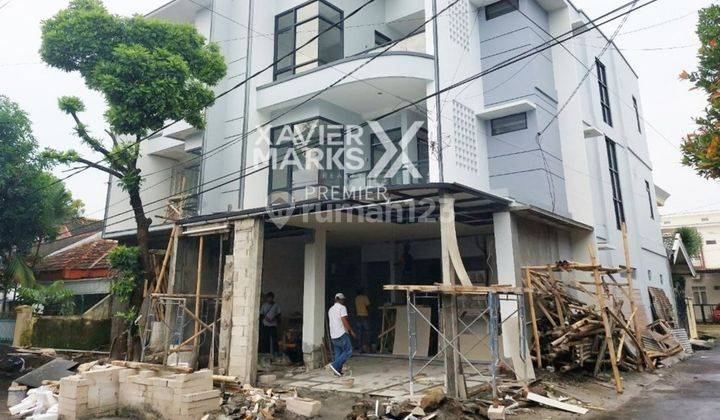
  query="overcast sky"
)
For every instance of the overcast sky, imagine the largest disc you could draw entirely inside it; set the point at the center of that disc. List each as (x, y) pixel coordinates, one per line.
(659, 41)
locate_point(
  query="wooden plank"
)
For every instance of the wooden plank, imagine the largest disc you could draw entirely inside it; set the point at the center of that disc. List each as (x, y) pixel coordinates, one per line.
(166, 259)
(198, 286)
(533, 318)
(151, 366)
(456, 289)
(454, 377)
(600, 294)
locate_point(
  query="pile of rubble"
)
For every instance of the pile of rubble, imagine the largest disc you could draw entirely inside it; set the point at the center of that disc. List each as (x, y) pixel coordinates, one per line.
(572, 333)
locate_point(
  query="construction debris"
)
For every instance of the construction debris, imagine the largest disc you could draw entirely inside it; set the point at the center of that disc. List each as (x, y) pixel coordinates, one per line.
(531, 396)
(253, 403)
(50, 371)
(571, 334)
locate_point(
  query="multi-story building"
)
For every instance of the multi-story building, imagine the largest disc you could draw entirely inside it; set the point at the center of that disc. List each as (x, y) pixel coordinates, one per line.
(704, 288)
(542, 162)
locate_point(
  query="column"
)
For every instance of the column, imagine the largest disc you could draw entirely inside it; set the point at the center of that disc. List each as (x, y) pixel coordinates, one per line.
(247, 278)
(314, 300)
(505, 247)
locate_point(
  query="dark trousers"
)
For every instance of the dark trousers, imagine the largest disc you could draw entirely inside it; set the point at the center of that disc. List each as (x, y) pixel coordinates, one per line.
(268, 339)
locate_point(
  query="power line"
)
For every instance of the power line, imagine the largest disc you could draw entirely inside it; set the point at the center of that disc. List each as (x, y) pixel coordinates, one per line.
(238, 85)
(453, 86)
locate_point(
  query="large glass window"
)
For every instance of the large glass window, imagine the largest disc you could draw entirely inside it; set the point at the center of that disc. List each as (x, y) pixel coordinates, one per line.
(298, 26)
(500, 8)
(305, 154)
(508, 124)
(615, 182)
(403, 176)
(604, 94)
(650, 200)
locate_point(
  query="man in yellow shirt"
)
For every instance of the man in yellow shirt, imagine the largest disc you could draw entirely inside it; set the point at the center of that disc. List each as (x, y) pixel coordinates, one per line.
(362, 302)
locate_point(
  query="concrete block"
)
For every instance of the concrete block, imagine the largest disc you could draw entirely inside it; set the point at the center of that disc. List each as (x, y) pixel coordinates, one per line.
(200, 396)
(303, 406)
(496, 413)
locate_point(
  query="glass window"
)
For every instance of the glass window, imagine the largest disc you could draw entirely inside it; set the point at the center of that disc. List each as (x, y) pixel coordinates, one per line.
(500, 8)
(711, 242)
(650, 201)
(285, 20)
(509, 124)
(308, 11)
(307, 35)
(292, 144)
(699, 294)
(615, 183)
(604, 95)
(637, 114)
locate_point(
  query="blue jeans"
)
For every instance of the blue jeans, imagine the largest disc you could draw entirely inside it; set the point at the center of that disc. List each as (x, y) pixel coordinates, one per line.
(342, 347)
(363, 331)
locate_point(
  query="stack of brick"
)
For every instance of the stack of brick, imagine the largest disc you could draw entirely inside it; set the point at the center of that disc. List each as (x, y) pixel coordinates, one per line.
(102, 392)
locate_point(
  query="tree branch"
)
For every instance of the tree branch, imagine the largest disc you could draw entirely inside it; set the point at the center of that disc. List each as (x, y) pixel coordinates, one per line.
(93, 143)
(113, 137)
(92, 164)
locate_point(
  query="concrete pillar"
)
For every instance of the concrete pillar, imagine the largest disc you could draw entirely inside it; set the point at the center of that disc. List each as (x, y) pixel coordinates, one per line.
(314, 300)
(508, 273)
(23, 326)
(247, 278)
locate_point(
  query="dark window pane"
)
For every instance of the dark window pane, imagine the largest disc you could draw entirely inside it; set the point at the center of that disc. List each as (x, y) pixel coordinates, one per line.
(330, 46)
(509, 124)
(381, 39)
(286, 20)
(330, 13)
(284, 46)
(500, 8)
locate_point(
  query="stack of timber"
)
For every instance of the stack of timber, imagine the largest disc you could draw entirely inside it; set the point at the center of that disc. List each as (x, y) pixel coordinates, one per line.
(572, 334)
(662, 342)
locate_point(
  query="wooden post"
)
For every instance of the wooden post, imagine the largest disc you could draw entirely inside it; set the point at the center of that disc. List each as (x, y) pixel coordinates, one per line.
(633, 307)
(600, 294)
(454, 376)
(166, 259)
(533, 318)
(198, 283)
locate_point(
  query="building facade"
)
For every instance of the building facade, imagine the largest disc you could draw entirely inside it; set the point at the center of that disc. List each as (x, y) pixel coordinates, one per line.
(704, 288)
(541, 162)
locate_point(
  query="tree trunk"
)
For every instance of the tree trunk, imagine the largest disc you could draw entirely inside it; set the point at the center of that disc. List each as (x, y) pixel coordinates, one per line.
(143, 239)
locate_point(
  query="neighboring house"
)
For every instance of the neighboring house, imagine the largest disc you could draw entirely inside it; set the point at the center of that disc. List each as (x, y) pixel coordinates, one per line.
(82, 267)
(70, 233)
(518, 199)
(704, 288)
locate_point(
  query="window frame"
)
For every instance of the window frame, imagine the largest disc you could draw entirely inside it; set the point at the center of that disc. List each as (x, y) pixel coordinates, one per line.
(290, 169)
(514, 3)
(603, 85)
(650, 200)
(495, 132)
(614, 170)
(292, 28)
(637, 114)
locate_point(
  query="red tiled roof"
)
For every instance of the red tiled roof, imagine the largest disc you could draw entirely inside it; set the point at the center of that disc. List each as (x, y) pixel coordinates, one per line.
(88, 260)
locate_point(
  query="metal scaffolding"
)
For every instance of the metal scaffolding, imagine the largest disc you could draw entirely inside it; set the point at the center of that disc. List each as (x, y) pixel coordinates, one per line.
(486, 301)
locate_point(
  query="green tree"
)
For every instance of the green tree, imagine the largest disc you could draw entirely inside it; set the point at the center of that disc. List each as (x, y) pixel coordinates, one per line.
(33, 204)
(692, 239)
(701, 148)
(149, 72)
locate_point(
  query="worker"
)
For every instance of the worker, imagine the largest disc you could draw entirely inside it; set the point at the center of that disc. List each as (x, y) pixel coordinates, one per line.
(362, 302)
(269, 317)
(339, 330)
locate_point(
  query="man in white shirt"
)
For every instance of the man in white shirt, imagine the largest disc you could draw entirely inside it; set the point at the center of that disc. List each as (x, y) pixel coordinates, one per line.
(340, 332)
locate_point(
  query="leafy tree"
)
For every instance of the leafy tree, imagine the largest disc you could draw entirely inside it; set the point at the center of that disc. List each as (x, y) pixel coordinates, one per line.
(54, 299)
(701, 148)
(692, 239)
(149, 71)
(33, 204)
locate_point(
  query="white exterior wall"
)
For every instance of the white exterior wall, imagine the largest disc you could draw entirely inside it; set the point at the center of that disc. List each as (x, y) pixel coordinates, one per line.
(579, 163)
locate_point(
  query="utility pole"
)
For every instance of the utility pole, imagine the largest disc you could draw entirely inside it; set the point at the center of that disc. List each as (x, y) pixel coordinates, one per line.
(438, 119)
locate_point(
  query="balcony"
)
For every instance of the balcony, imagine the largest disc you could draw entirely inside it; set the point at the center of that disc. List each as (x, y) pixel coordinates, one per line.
(414, 44)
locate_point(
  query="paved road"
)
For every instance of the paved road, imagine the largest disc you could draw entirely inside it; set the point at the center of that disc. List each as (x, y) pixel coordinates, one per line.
(689, 390)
